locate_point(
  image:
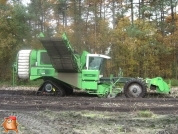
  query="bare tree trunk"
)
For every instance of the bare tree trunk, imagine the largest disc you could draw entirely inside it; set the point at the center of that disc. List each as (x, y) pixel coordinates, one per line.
(113, 12)
(86, 22)
(101, 9)
(42, 16)
(143, 15)
(172, 14)
(104, 11)
(132, 12)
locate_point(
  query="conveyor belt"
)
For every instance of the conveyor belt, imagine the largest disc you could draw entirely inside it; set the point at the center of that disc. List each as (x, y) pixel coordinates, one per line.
(61, 55)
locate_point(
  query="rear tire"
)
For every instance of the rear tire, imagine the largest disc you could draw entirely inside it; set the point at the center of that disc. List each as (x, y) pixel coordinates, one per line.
(135, 88)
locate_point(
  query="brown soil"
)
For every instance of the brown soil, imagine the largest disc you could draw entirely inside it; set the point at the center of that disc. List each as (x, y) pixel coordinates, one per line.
(87, 114)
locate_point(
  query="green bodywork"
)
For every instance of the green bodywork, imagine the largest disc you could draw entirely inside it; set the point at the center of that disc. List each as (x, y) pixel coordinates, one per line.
(45, 64)
(59, 62)
(158, 84)
(40, 65)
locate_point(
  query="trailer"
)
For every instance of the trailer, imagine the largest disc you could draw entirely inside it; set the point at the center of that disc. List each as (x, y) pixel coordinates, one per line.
(63, 69)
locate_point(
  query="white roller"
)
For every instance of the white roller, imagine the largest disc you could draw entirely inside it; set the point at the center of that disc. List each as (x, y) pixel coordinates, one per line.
(23, 73)
(23, 64)
(24, 76)
(22, 70)
(22, 67)
(23, 58)
(23, 54)
(23, 61)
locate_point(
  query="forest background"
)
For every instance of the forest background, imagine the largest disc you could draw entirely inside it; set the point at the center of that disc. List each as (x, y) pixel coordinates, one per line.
(142, 33)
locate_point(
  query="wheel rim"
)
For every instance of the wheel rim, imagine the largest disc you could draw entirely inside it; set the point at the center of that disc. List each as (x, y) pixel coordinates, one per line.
(135, 90)
(48, 87)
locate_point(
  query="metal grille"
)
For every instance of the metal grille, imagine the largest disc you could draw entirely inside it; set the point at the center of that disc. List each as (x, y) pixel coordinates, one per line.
(61, 56)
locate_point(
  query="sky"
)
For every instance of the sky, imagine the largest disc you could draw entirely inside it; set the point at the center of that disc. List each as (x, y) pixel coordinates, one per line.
(25, 2)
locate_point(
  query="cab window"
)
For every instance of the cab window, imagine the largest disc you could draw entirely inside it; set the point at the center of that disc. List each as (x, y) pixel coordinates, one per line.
(45, 58)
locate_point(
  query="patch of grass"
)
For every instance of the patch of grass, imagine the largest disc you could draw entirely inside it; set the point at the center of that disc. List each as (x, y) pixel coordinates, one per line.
(145, 113)
(29, 82)
(174, 82)
(121, 129)
(21, 82)
(92, 115)
(5, 83)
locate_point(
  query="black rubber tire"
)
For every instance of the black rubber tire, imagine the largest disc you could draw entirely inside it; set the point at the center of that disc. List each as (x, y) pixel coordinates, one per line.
(39, 93)
(60, 91)
(66, 88)
(56, 89)
(48, 87)
(69, 91)
(135, 88)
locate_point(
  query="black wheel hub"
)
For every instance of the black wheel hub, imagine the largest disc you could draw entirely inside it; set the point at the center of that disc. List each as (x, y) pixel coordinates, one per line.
(48, 87)
(134, 90)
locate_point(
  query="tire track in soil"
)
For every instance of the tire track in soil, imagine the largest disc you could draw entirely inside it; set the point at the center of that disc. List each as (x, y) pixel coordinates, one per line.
(29, 106)
(37, 125)
(31, 123)
(18, 101)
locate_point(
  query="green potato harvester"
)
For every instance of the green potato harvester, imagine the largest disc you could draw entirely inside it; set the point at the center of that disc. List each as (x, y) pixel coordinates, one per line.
(62, 70)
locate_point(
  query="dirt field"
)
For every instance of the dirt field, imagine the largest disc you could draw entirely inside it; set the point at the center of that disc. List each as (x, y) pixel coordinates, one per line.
(86, 114)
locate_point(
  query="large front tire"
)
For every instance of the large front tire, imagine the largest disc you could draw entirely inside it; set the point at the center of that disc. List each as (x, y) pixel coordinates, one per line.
(135, 88)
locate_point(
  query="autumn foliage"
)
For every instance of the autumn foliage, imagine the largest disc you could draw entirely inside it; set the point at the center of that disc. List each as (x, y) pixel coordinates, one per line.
(142, 45)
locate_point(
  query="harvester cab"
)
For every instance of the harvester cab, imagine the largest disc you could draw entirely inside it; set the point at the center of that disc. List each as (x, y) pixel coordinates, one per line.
(96, 62)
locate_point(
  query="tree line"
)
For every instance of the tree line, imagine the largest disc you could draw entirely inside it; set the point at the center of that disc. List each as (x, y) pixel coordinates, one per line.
(142, 33)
